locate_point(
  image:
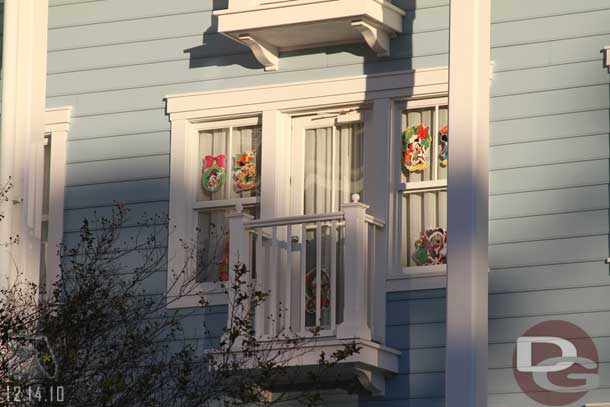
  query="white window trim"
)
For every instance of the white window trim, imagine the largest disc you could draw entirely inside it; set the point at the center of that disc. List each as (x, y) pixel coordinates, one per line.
(57, 126)
(276, 104)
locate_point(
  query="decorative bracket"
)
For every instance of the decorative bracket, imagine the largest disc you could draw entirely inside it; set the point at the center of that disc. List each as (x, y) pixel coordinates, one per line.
(371, 380)
(266, 54)
(376, 38)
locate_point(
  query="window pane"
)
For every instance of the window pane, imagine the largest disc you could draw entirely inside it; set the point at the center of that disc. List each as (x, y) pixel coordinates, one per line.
(435, 157)
(230, 161)
(443, 142)
(211, 182)
(213, 244)
(46, 177)
(246, 161)
(425, 117)
(424, 228)
(334, 162)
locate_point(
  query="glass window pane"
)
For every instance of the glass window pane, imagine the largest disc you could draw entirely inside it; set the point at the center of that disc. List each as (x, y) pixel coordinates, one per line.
(211, 182)
(213, 244)
(434, 158)
(424, 228)
(415, 118)
(442, 142)
(246, 161)
(334, 167)
(46, 177)
(230, 162)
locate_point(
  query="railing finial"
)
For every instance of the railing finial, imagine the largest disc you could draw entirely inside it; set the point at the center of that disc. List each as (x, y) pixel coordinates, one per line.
(355, 198)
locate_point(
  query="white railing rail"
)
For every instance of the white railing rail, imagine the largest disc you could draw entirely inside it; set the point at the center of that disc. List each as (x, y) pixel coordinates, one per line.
(315, 269)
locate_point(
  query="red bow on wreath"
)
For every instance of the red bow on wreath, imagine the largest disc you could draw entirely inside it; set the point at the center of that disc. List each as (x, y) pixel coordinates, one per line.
(209, 160)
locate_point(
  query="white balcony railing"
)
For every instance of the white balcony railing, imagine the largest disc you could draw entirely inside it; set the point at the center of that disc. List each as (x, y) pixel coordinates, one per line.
(292, 255)
(321, 274)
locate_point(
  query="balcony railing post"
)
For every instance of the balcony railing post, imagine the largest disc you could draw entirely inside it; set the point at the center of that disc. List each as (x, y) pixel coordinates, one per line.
(239, 254)
(355, 280)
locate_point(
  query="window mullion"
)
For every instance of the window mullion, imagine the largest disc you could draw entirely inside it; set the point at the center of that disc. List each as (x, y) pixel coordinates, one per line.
(228, 164)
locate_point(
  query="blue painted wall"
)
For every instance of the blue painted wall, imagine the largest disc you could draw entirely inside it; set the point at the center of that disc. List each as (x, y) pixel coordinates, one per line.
(549, 179)
(115, 60)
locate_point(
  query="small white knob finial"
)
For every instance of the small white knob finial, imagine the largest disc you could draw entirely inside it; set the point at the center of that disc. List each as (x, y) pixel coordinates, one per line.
(239, 207)
(355, 198)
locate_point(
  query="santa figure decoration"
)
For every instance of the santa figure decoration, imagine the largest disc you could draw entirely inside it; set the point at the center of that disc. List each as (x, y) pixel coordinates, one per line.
(431, 248)
(416, 142)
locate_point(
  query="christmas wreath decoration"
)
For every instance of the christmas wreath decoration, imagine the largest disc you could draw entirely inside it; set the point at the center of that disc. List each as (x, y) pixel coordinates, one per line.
(214, 173)
(310, 291)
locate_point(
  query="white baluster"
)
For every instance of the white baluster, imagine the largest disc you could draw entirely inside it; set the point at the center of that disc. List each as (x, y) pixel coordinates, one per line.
(288, 277)
(355, 286)
(273, 295)
(260, 282)
(333, 274)
(318, 273)
(303, 263)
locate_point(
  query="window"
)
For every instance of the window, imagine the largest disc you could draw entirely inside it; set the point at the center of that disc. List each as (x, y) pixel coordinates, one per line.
(229, 172)
(44, 227)
(362, 109)
(424, 187)
(52, 185)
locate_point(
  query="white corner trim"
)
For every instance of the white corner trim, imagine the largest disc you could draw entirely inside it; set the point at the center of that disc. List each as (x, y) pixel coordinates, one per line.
(468, 196)
(23, 106)
(606, 55)
(57, 125)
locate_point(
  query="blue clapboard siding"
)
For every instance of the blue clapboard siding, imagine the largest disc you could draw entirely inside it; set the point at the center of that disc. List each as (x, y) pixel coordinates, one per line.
(549, 180)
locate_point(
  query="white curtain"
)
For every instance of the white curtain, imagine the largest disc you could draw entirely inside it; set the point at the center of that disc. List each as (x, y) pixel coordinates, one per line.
(334, 167)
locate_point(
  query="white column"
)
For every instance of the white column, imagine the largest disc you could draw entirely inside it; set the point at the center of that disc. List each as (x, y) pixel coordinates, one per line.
(239, 254)
(355, 287)
(467, 287)
(21, 148)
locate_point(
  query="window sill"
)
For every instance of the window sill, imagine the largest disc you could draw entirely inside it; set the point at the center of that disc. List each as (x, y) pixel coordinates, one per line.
(417, 278)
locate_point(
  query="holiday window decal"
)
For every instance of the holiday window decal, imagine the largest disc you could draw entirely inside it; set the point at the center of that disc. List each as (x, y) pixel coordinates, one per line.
(444, 139)
(310, 291)
(245, 171)
(431, 247)
(416, 142)
(214, 173)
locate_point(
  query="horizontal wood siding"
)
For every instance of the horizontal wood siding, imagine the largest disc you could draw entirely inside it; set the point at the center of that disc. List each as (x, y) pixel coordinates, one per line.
(549, 163)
